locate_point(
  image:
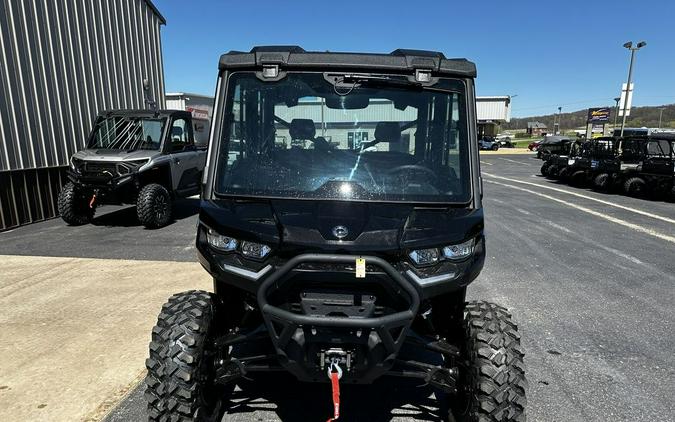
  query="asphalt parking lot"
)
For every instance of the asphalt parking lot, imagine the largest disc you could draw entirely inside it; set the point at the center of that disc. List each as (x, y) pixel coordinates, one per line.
(589, 278)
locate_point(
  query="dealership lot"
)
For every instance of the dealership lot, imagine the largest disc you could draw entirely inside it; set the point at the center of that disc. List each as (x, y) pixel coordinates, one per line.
(588, 277)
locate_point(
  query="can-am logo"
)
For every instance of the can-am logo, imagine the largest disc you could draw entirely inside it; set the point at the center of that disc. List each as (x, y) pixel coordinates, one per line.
(340, 232)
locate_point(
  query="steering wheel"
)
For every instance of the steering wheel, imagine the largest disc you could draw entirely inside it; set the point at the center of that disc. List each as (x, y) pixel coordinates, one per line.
(413, 168)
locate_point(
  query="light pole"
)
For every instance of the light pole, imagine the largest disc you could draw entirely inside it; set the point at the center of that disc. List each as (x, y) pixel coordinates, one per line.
(629, 45)
(559, 120)
(660, 116)
(616, 113)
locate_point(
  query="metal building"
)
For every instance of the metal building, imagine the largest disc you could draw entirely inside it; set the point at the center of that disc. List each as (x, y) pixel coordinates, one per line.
(491, 112)
(201, 107)
(61, 62)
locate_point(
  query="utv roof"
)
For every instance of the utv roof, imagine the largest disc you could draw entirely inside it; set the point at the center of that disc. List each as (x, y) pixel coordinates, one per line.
(555, 140)
(292, 57)
(143, 112)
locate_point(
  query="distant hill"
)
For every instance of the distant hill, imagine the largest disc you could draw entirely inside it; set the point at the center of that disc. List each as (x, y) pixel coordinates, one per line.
(647, 116)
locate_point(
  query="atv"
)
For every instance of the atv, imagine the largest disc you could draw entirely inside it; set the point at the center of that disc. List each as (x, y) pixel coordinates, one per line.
(142, 157)
(341, 220)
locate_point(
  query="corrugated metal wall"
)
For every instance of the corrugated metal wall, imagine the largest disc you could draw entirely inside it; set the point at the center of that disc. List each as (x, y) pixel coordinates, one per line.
(61, 62)
(493, 108)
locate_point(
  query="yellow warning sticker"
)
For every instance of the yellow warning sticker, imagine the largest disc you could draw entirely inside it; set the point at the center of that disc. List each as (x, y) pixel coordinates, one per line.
(360, 268)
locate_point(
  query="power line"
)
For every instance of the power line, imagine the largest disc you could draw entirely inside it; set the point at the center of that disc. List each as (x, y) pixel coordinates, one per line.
(563, 104)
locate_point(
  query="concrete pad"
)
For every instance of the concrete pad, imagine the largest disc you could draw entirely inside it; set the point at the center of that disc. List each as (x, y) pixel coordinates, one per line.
(75, 331)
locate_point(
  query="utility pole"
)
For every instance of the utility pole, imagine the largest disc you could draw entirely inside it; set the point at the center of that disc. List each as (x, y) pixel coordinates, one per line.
(616, 113)
(660, 116)
(629, 45)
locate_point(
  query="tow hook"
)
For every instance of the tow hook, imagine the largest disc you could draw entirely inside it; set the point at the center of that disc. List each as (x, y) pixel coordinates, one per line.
(92, 200)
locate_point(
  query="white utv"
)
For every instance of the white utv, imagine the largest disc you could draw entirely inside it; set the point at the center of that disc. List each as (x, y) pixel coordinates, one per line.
(142, 157)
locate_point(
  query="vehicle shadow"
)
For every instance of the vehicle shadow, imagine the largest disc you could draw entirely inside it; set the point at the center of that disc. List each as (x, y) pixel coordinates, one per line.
(126, 216)
(290, 400)
(613, 192)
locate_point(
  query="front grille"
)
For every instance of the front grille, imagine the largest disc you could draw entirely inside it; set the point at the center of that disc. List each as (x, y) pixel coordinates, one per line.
(330, 267)
(98, 173)
(100, 168)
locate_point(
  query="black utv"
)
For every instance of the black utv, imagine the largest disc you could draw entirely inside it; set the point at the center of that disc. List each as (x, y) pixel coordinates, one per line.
(341, 220)
(553, 145)
(648, 166)
(588, 159)
(557, 164)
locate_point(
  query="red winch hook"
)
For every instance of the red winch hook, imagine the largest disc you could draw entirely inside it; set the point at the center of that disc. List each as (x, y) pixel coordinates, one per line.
(334, 374)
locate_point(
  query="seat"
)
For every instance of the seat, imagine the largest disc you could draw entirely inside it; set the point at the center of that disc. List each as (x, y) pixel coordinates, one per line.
(302, 129)
(177, 140)
(177, 134)
(388, 132)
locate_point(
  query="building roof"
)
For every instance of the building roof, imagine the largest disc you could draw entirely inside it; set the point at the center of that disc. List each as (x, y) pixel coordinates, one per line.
(155, 11)
(187, 94)
(494, 98)
(536, 125)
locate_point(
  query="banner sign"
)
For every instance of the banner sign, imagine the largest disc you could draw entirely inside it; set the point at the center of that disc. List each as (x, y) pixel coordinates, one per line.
(198, 113)
(598, 115)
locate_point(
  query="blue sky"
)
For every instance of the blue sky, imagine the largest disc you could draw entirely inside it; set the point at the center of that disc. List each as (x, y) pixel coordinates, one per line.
(563, 53)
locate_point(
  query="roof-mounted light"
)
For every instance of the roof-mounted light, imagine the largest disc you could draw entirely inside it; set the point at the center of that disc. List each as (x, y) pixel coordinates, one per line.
(270, 71)
(422, 75)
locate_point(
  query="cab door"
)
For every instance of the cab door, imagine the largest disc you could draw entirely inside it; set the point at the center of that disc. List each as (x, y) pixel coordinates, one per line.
(187, 162)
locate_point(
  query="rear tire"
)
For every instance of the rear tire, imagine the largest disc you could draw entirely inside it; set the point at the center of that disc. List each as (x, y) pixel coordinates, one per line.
(179, 384)
(578, 178)
(154, 206)
(544, 169)
(601, 182)
(494, 381)
(495, 147)
(73, 206)
(635, 187)
(564, 174)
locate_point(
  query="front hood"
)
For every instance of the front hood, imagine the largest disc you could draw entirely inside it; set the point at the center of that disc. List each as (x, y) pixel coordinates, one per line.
(114, 155)
(308, 226)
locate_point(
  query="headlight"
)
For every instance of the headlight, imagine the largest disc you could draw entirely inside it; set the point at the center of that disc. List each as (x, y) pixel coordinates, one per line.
(246, 248)
(74, 163)
(127, 167)
(254, 250)
(459, 251)
(424, 256)
(220, 242)
(456, 252)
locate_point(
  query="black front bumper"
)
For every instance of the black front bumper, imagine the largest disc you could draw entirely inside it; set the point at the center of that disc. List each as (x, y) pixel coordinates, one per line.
(108, 188)
(301, 341)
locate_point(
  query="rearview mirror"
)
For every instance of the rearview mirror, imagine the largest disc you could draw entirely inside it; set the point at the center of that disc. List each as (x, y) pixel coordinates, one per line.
(347, 102)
